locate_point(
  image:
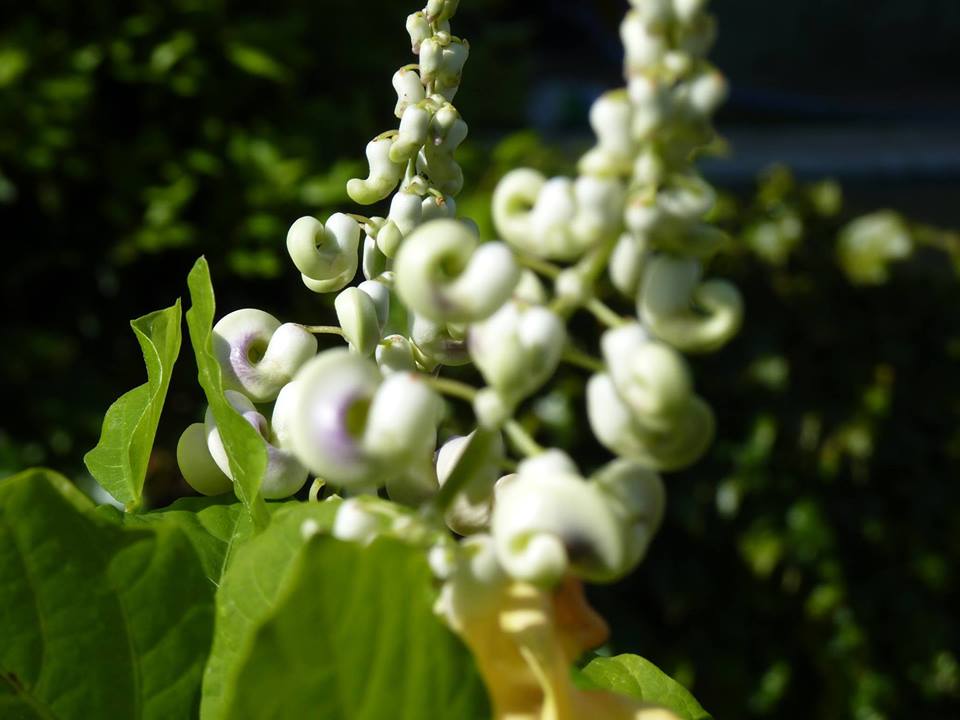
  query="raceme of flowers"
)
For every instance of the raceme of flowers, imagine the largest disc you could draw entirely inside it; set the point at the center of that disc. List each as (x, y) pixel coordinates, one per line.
(366, 416)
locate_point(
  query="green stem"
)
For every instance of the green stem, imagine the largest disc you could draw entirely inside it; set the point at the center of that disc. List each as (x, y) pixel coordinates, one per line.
(604, 314)
(521, 439)
(323, 329)
(539, 266)
(577, 357)
(453, 388)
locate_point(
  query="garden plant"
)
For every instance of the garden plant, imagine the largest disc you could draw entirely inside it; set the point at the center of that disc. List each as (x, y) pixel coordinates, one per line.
(379, 533)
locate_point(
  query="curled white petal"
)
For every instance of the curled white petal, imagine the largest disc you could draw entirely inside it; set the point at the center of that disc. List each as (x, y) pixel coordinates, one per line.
(638, 499)
(283, 476)
(197, 465)
(335, 390)
(513, 200)
(445, 274)
(652, 378)
(546, 523)
(690, 316)
(326, 255)
(257, 354)
(384, 174)
(616, 426)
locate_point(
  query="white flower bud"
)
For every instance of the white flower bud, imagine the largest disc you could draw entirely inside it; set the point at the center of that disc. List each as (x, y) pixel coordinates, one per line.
(667, 301)
(870, 243)
(626, 264)
(431, 59)
(378, 291)
(435, 208)
(440, 10)
(650, 377)
(611, 117)
(706, 92)
(409, 89)
(618, 427)
(513, 200)
(384, 174)
(325, 255)
(412, 133)
(374, 261)
(547, 523)
(644, 46)
(434, 343)
(470, 511)
(517, 348)
(357, 316)
(257, 354)
(355, 523)
(529, 289)
(395, 354)
(283, 476)
(197, 465)
(402, 418)
(445, 274)
(448, 129)
(687, 10)
(654, 12)
(637, 497)
(491, 408)
(651, 106)
(418, 28)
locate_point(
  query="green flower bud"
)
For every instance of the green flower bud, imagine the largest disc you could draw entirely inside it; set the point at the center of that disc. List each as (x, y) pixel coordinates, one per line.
(197, 464)
(669, 295)
(283, 476)
(870, 243)
(257, 354)
(409, 90)
(384, 174)
(325, 255)
(444, 273)
(517, 348)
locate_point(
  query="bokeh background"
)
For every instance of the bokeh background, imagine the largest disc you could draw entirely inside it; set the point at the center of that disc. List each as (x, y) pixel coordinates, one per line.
(808, 567)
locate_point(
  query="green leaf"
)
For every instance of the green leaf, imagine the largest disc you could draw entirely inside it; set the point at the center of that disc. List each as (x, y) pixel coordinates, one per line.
(256, 62)
(308, 626)
(246, 451)
(97, 620)
(119, 461)
(635, 676)
(214, 528)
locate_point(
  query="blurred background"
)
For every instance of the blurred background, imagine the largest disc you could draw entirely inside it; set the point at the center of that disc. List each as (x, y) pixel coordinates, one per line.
(809, 566)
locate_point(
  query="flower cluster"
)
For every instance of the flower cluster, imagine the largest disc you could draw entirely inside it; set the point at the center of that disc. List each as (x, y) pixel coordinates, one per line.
(367, 417)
